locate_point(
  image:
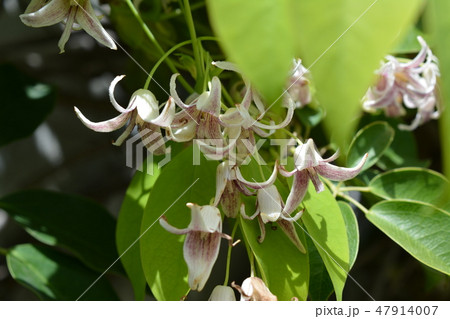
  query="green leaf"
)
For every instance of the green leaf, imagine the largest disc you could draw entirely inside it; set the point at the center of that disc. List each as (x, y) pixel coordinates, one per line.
(283, 267)
(25, 104)
(351, 223)
(320, 285)
(326, 226)
(373, 139)
(129, 227)
(309, 116)
(257, 35)
(439, 25)
(76, 223)
(55, 276)
(343, 42)
(421, 229)
(180, 182)
(409, 44)
(418, 184)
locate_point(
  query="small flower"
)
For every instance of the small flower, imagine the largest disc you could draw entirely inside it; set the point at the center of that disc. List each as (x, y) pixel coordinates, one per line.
(43, 13)
(309, 164)
(298, 85)
(230, 184)
(201, 246)
(222, 293)
(143, 112)
(269, 208)
(412, 83)
(254, 289)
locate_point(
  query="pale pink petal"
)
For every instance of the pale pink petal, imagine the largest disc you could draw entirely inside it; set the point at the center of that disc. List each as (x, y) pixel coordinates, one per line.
(297, 193)
(163, 222)
(105, 126)
(257, 185)
(167, 114)
(174, 94)
(116, 105)
(336, 173)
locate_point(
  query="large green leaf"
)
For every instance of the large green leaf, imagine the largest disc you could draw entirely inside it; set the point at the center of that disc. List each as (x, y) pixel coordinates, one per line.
(342, 42)
(439, 24)
(421, 229)
(320, 285)
(180, 182)
(326, 227)
(418, 184)
(69, 221)
(351, 223)
(129, 227)
(258, 36)
(283, 267)
(373, 139)
(53, 275)
(25, 104)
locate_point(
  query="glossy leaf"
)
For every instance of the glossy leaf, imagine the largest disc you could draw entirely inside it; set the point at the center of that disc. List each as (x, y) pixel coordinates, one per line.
(421, 229)
(162, 252)
(351, 223)
(129, 227)
(343, 42)
(416, 184)
(53, 275)
(257, 35)
(76, 223)
(373, 139)
(438, 24)
(326, 226)
(320, 285)
(25, 104)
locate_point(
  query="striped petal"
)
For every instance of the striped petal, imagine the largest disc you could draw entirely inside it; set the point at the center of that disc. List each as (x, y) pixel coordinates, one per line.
(52, 13)
(105, 126)
(336, 173)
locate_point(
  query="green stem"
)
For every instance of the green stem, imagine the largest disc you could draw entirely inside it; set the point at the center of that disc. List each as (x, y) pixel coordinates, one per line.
(227, 270)
(195, 43)
(171, 50)
(354, 188)
(176, 13)
(354, 202)
(155, 42)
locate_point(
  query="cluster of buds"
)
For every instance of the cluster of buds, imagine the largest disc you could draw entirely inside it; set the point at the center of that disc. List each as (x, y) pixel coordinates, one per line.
(229, 137)
(411, 83)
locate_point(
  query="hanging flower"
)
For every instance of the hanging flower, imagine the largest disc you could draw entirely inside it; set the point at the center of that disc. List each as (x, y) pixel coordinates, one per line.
(230, 184)
(309, 164)
(410, 83)
(298, 85)
(143, 112)
(222, 293)
(201, 246)
(43, 13)
(269, 208)
(254, 289)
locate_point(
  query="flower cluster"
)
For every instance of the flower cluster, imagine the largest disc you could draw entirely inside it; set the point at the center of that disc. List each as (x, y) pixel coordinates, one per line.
(229, 137)
(411, 83)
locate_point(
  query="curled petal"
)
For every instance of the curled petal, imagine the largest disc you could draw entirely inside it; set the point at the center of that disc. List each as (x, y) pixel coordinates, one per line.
(297, 193)
(67, 29)
(210, 101)
(214, 152)
(222, 175)
(284, 172)
(174, 94)
(87, 19)
(228, 66)
(289, 229)
(163, 222)
(146, 104)
(50, 14)
(244, 214)
(262, 228)
(318, 185)
(105, 126)
(336, 173)
(111, 95)
(257, 185)
(287, 120)
(167, 114)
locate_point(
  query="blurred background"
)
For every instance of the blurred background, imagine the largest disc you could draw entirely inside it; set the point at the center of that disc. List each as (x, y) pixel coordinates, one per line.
(65, 156)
